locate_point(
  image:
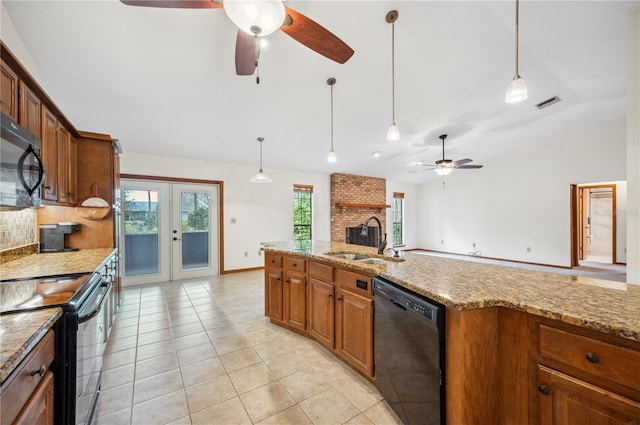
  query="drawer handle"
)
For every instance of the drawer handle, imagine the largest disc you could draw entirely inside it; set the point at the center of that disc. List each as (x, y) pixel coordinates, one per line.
(40, 371)
(592, 358)
(544, 390)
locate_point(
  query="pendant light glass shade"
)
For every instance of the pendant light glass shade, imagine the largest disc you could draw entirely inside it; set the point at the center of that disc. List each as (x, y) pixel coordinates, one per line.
(332, 158)
(260, 176)
(517, 89)
(256, 17)
(393, 133)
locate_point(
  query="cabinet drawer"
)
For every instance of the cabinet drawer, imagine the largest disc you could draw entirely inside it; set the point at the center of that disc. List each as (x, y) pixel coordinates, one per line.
(273, 260)
(358, 282)
(595, 357)
(322, 271)
(295, 264)
(24, 380)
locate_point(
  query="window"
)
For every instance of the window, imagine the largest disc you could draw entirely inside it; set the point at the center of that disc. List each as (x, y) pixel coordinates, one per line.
(302, 212)
(398, 218)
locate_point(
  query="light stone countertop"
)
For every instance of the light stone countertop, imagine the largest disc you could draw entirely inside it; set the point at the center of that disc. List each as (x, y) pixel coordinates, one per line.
(57, 263)
(19, 333)
(600, 305)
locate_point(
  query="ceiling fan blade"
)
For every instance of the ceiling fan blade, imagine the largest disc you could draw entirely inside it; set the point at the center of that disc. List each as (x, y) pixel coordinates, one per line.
(247, 53)
(462, 161)
(175, 4)
(462, 167)
(424, 169)
(315, 37)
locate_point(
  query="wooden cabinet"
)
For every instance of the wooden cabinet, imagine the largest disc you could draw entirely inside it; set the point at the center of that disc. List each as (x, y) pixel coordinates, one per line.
(322, 303)
(566, 400)
(27, 395)
(354, 329)
(9, 90)
(585, 380)
(29, 109)
(294, 290)
(273, 287)
(59, 155)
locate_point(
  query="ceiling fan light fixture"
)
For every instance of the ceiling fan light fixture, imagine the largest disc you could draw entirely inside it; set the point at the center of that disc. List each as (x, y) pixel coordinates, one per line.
(260, 176)
(256, 17)
(442, 170)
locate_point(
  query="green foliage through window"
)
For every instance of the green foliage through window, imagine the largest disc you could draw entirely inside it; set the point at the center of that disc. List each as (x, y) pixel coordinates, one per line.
(398, 217)
(301, 215)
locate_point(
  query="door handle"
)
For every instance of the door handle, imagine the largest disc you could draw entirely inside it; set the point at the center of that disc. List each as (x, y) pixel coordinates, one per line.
(175, 238)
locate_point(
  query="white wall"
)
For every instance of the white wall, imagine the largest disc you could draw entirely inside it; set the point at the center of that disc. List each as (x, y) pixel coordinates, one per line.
(633, 151)
(521, 199)
(263, 212)
(411, 213)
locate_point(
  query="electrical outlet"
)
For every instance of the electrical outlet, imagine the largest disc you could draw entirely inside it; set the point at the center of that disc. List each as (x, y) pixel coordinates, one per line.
(528, 249)
(246, 253)
(474, 245)
(442, 241)
(259, 253)
(233, 220)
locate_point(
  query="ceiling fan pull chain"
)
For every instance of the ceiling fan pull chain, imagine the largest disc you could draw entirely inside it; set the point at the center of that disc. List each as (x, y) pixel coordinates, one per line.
(257, 73)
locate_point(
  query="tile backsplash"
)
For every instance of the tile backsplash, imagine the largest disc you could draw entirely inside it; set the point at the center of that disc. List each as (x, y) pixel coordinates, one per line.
(17, 228)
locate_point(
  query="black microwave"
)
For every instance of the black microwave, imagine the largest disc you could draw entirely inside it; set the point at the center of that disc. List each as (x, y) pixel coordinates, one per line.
(21, 168)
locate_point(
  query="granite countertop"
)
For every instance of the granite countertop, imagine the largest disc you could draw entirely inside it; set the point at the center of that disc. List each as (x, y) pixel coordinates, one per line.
(52, 264)
(19, 333)
(601, 305)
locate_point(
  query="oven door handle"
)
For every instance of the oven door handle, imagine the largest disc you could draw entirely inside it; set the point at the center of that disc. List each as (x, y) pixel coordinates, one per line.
(86, 317)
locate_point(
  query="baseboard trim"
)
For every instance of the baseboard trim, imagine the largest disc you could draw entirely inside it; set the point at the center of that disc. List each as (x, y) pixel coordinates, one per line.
(252, 269)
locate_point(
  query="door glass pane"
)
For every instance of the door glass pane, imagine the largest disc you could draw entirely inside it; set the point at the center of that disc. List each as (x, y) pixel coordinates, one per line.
(194, 222)
(140, 232)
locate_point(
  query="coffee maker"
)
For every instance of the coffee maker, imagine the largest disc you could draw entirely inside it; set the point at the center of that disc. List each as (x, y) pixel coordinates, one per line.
(52, 236)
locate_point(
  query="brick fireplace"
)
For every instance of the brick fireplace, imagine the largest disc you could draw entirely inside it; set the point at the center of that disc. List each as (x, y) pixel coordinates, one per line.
(354, 199)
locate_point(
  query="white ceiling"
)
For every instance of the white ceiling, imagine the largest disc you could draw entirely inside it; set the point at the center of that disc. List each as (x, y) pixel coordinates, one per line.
(163, 81)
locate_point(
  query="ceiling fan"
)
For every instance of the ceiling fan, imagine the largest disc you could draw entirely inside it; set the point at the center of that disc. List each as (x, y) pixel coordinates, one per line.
(259, 18)
(444, 166)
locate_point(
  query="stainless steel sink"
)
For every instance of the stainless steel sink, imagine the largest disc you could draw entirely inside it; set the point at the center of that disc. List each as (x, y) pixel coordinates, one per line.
(353, 257)
(373, 261)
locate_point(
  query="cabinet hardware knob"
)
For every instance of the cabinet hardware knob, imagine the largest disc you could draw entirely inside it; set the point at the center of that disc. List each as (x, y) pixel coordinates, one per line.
(330, 295)
(295, 265)
(277, 278)
(339, 298)
(543, 389)
(40, 371)
(273, 261)
(48, 187)
(592, 358)
(288, 280)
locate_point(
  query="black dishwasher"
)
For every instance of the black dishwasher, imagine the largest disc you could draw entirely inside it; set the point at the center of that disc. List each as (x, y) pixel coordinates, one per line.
(410, 353)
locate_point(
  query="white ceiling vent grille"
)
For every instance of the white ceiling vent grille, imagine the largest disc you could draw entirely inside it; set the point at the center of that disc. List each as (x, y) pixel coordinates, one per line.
(548, 102)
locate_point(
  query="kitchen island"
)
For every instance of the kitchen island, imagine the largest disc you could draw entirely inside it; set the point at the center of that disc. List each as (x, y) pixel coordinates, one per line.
(520, 344)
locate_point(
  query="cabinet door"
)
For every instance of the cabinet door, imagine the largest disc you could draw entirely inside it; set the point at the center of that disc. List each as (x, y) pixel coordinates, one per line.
(354, 329)
(39, 409)
(72, 171)
(29, 111)
(9, 91)
(321, 312)
(50, 155)
(295, 300)
(63, 141)
(565, 400)
(273, 294)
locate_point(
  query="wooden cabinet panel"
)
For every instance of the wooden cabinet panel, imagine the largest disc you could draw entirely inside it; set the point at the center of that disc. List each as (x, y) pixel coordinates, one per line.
(273, 260)
(355, 281)
(322, 271)
(354, 329)
(295, 300)
(50, 155)
(20, 389)
(296, 264)
(321, 311)
(9, 91)
(29, 110)
(39, 408)
(565, 400)
(591, 356)
(273, 294)
(72, 171)
(63, 142)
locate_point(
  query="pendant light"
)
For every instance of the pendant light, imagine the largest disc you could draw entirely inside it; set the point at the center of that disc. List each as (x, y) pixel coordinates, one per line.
(517, 90)
(332, 154)
(393, 133)
(260, 177)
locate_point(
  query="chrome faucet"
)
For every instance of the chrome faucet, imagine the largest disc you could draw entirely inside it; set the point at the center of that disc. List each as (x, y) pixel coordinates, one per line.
(365, 231)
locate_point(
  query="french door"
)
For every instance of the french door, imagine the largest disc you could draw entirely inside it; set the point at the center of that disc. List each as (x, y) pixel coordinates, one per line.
(170, 231)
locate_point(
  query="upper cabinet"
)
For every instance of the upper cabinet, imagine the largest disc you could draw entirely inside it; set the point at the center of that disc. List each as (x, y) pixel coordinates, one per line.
(29, 109)
(9, 90)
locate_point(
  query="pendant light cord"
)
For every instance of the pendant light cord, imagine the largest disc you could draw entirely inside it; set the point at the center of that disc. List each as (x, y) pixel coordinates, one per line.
(261, 156)
(332, 117)
(393, 73)
(517, 25)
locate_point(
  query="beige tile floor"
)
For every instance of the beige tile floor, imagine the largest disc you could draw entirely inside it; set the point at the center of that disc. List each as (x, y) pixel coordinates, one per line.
(202, 352)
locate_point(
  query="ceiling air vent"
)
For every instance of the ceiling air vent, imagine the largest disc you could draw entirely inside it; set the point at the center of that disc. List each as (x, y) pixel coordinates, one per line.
(548, 102)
